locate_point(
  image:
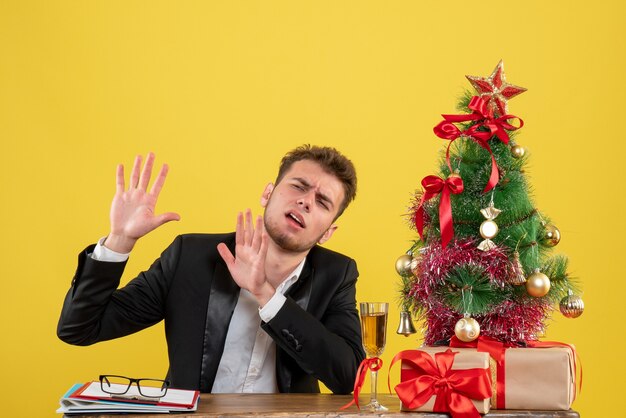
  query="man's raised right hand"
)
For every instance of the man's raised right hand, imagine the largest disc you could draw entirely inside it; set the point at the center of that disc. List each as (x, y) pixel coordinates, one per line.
(132, 210)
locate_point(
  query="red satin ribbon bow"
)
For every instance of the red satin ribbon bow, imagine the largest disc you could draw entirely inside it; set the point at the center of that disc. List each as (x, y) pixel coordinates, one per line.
(479, 108)
(484, 116)
(434, 185)
(497, 126)
(373, 364)
(447, 129)
(454, 389)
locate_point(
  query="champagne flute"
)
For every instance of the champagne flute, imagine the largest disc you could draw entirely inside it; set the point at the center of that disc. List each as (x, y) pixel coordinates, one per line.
(374, 328)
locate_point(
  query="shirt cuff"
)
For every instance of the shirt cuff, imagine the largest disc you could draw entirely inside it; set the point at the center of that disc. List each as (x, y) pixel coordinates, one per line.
(271, 308)
(102, 253)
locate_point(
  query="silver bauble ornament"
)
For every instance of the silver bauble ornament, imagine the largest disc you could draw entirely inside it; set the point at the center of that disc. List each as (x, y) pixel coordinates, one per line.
(572, 306)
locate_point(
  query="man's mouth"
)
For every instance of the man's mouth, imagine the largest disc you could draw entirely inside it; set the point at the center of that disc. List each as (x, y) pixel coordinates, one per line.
(296, 218)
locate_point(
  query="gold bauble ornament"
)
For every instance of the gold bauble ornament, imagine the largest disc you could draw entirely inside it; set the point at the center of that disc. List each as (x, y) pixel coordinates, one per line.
(551, 235)
(537, 284)
(467, 329)
(488, 229)
(403, 264)
(572, 306)
(517, 151)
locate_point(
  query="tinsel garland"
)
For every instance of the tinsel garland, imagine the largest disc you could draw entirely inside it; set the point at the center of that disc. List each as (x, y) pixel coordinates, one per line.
(513, 320)
(435, 263)
(510, 322)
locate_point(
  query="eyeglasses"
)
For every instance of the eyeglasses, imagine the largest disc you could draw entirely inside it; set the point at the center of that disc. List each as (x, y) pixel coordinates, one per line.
(120, 385)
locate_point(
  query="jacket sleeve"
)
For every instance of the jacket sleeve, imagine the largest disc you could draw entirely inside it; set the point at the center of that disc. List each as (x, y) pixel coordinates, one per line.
(329, 348)
(96, 310)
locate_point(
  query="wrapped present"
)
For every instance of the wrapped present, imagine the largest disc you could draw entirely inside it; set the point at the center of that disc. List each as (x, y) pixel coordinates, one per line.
(439, 379)
(541, 376)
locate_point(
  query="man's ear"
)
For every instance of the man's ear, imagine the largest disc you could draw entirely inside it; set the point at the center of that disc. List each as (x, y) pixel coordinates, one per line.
(329, 233)
(265, 197)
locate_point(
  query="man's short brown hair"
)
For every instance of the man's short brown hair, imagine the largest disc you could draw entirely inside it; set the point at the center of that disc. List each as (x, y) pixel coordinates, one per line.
(332, 161)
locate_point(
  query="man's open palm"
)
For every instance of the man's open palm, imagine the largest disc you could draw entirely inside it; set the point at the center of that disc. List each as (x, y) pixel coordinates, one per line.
(132, 210)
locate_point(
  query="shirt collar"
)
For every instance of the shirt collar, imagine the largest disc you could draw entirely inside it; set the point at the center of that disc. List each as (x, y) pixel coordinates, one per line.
(291, 278)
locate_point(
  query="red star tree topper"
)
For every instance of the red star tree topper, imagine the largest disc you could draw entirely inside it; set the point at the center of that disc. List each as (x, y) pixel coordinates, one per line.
(495, 89)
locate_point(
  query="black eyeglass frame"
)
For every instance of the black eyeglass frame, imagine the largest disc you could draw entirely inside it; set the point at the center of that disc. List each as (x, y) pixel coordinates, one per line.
(102, 377)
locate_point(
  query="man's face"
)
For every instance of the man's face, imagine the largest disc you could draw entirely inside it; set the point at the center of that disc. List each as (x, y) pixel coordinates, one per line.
(301, 208)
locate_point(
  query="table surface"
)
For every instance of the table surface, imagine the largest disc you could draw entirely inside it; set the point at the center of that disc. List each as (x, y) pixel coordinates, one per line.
(317, 406)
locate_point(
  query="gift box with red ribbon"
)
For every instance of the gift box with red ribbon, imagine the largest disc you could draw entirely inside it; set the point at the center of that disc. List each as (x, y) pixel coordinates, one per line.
(439, 379)
(541, 376)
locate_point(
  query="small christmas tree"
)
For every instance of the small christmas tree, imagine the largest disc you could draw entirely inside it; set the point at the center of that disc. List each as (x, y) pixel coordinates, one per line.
(483, 263)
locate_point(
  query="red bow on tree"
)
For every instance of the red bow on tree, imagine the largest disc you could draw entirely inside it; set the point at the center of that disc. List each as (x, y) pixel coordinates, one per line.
(434, 185)
(454, 389)
(447, 129)
(482, 114)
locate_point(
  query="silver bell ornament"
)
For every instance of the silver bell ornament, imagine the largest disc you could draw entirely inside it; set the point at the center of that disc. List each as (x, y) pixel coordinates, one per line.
(406, 327)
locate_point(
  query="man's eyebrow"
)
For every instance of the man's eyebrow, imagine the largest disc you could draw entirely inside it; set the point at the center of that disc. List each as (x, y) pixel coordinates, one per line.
(302, 181)
(321, 195)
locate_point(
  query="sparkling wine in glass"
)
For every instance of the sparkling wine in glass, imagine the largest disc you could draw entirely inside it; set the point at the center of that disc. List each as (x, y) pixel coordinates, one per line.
(374, 329)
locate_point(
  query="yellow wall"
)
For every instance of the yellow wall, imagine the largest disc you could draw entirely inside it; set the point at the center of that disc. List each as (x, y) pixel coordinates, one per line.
(221, 89)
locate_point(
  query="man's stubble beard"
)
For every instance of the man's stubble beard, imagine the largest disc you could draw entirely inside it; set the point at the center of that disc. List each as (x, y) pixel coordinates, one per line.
(285, 242)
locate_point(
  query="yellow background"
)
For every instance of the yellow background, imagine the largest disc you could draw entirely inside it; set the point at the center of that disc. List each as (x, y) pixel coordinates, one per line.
(220, 90)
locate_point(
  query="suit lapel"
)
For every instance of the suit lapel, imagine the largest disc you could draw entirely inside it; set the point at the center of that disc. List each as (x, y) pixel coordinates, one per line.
(300, 291)
(222, 300)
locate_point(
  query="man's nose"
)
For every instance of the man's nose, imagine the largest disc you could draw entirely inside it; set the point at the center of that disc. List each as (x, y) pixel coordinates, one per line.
(304, 203)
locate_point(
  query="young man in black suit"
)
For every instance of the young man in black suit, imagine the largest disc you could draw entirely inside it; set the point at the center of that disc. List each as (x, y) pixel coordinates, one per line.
(263, 309)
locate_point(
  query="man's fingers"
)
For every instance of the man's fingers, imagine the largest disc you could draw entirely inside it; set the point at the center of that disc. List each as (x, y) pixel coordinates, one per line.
(146, 172)
(166, 217)
(249, 230)
(264, 244)
(160, 181)
(256, 241)
(226, 255)
(119, 179)
(134, 175)
(239, 232)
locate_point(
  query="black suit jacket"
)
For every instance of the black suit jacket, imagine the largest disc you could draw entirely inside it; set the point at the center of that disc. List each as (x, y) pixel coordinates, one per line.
(317, 331)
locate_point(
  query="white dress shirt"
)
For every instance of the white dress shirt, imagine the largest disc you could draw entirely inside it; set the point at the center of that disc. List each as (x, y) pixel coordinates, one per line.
(248, 363)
